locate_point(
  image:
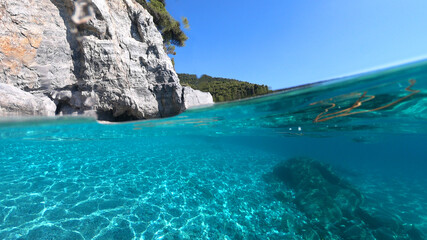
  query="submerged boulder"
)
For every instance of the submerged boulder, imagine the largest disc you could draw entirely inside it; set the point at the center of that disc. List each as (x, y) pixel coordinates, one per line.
(318, 192)
(335, 207)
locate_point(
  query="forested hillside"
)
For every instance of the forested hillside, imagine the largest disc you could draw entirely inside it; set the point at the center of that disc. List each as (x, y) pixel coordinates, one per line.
(223, 89)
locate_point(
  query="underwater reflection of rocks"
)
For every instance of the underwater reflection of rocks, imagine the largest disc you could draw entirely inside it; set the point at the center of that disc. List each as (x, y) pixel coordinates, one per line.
(335, 208)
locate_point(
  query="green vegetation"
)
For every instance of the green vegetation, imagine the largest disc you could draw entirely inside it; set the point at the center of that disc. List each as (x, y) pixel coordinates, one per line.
(223, 89)
(166, 24)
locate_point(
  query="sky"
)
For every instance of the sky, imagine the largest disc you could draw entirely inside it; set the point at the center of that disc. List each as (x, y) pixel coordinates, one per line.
(284, 43)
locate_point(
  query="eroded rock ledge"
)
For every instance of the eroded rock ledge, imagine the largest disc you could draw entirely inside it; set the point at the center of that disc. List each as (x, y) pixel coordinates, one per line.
(111, 63)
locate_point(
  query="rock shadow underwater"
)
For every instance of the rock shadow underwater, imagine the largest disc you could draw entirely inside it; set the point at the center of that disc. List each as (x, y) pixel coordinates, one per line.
(335, 209)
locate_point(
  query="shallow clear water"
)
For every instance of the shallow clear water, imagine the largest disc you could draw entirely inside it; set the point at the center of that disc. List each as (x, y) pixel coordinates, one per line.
(207, 173)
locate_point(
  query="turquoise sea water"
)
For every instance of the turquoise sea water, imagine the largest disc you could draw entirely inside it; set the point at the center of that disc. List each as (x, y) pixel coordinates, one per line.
(209, 173)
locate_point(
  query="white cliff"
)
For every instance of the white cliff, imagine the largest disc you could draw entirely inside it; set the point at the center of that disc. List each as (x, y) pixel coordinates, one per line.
(106, 58)
(194, 98)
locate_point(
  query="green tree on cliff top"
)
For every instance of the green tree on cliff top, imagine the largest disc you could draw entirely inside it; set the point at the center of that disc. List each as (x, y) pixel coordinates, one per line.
(166, 24)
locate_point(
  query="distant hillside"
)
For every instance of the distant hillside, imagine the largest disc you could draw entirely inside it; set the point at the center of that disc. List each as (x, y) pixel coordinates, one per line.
(223, 89)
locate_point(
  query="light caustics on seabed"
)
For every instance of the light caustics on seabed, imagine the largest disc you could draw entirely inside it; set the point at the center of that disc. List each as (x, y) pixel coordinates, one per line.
(325, 116)
(252, 169)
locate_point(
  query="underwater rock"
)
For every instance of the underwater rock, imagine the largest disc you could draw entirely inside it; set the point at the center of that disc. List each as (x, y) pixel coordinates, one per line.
(415, 234)
(336, 209)
(378, 218)
(383, 234)
(319, 193)
(356, 232)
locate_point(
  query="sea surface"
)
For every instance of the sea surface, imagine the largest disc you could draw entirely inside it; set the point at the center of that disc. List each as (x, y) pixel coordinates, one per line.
(345, 159)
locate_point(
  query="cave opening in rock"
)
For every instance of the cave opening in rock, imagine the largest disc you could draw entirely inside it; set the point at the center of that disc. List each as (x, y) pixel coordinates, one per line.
(108, 115)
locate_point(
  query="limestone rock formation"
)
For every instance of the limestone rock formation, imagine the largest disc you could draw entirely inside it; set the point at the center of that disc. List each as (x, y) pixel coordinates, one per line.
(89, 55)
(14, 101)
(195, 97)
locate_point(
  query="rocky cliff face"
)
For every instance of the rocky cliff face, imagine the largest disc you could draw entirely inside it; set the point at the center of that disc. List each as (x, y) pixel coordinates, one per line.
(194, 98)
(103, 57)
